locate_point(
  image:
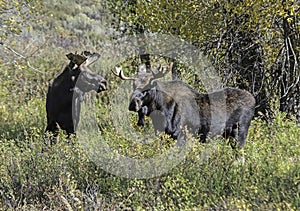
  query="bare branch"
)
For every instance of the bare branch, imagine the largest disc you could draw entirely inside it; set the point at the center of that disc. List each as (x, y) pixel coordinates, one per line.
(22, 57)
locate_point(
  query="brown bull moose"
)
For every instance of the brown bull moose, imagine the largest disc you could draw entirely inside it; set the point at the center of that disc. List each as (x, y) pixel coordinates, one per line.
(174, 105)
(66, 92)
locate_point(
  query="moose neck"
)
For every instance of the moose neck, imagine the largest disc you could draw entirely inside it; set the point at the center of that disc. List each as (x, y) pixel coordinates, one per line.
(70, 66)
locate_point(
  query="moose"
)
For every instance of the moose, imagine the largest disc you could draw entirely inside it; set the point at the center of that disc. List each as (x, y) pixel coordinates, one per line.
(174, 105)
(66, 92)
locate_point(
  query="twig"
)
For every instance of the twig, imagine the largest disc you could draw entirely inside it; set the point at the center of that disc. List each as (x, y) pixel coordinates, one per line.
(23, 57)
(12, 50)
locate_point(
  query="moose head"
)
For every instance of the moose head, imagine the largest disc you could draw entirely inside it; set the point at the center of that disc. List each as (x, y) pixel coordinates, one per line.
(142, 83)
(81, 75)
(144, 80)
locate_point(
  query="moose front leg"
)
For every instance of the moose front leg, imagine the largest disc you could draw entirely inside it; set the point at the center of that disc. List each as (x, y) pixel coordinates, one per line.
(142, 113)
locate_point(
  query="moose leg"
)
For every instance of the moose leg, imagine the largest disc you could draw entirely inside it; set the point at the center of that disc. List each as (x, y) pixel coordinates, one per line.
(237, 135)
(232, 135)
(242, 132)
(53, 129)
(70, 133)
(242, 135)
(159, 122)
(142, 113)
(243, 126)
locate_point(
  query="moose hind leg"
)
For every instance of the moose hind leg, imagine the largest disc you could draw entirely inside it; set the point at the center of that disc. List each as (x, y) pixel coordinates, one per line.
(243, 127)
(242, 135)
(233, 135)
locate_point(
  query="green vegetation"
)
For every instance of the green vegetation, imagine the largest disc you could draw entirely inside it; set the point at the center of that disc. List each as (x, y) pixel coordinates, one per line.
(36, 176)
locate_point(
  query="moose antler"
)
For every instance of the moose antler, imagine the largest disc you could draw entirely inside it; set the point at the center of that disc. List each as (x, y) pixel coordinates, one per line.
(85, 56)
(120, 74)
(161, 72)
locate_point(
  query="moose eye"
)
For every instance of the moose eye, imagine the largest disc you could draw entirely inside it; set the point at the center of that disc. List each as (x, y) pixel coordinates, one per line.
(73, 78)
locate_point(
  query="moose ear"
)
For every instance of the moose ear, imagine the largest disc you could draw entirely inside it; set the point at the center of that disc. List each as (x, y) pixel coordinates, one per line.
(70, 56)
(76, 58)
(153, 83)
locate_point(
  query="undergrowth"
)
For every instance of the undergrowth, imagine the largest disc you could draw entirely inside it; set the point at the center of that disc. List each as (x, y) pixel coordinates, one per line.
(35, 176)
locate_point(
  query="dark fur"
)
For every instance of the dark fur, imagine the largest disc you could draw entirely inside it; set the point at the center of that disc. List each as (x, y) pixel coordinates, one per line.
(173, 105)
(64, 98)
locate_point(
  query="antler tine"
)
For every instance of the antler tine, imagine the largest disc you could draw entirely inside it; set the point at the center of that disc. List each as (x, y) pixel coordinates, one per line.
(118, 69)
(170, 67)
(120, 74)
(161, 73)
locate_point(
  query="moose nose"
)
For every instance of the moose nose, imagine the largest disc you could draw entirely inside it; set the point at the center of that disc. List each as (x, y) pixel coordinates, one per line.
(103, 85)
(135, 104)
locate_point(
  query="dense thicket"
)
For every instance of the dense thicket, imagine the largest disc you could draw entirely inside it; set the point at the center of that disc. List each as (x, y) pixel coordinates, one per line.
(254, 45)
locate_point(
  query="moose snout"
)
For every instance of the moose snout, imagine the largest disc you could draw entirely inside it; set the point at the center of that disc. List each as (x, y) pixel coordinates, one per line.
(135, 104)
(102, 86)
(136, 101)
